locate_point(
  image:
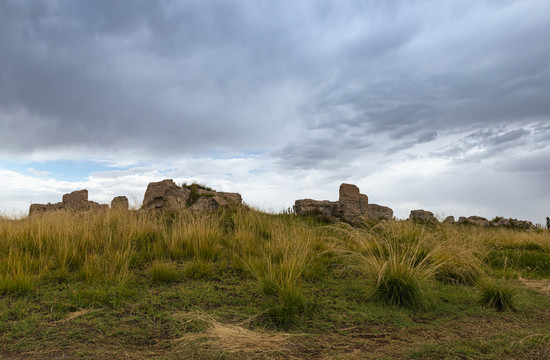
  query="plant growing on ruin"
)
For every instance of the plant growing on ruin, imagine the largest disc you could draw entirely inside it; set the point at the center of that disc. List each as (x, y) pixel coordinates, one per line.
(194, 193)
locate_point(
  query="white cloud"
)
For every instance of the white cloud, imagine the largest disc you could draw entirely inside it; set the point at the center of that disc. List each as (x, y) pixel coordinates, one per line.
(38, 172)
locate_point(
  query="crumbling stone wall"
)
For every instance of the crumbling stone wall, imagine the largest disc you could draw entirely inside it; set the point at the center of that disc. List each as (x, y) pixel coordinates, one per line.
(352, 207)
(166, 195)
(74, 201)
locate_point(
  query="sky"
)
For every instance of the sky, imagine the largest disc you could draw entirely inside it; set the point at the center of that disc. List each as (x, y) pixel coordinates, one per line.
(435, 105)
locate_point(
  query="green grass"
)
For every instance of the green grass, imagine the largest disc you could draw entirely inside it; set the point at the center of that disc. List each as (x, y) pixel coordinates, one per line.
(497, 294)
(163, 272)
(198, 269)
(242, 284)
(529, 259)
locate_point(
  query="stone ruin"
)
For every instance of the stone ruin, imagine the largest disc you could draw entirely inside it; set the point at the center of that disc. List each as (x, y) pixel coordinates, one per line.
(352, 207)
(120, 203)
(422, 216)
(166, 195)
(75, 201)
(428, 217)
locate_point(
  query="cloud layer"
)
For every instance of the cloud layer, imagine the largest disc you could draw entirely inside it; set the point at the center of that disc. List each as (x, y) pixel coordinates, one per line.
(438, 105)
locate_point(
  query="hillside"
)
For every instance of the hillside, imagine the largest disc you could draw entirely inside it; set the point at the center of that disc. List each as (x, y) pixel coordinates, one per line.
(238, 284)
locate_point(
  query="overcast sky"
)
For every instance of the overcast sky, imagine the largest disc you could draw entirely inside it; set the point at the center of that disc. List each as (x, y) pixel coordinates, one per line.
(436, 105)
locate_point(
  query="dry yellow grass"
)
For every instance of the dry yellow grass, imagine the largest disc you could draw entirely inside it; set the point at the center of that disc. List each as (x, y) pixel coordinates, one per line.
(235, 338)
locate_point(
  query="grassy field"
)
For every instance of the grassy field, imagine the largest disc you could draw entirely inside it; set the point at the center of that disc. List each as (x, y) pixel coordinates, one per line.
(242, 284)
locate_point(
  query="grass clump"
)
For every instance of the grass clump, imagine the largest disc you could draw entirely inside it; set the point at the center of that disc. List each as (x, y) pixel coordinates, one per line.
(461, 268)
(198, 269)
(398, 263)
(195, 192)
(497, 294)
(163, 273)
(399, 284)
(18, 284)
(289, 251)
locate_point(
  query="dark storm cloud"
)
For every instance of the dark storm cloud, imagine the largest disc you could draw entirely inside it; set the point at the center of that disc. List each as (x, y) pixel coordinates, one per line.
(313, 82)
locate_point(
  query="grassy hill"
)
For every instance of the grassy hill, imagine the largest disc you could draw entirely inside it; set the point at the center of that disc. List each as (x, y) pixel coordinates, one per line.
(241, 284)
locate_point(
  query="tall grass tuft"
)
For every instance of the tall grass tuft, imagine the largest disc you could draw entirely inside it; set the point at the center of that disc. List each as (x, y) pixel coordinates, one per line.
(278, 264)
(163, 273)
(398, 261)
(198, 269)
(16, 273)
(497, 294)
(461, 267)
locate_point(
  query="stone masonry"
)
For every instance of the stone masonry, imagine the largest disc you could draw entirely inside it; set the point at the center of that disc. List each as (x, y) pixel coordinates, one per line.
(74, 201)
(352, 207)
(166, 195)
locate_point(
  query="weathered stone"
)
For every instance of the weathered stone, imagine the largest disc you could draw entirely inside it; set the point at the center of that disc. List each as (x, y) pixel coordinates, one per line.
(522, 224)
(352, 207)
(351, 192)
(205, 203)
(120, 203)
(422, 216)
(449, 220)
(230, 198)
(78, 201)
(315, 207)
(77, 197)
(503, 222)
(378, 212)
(42, 208)
(103, 207)
(165, 195)
(478, 220)
(474, 220)
(74, 201)
(351, 211)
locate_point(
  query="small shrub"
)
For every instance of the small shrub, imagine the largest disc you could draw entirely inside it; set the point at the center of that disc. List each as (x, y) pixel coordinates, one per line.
(497, 294)
(161, 272)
